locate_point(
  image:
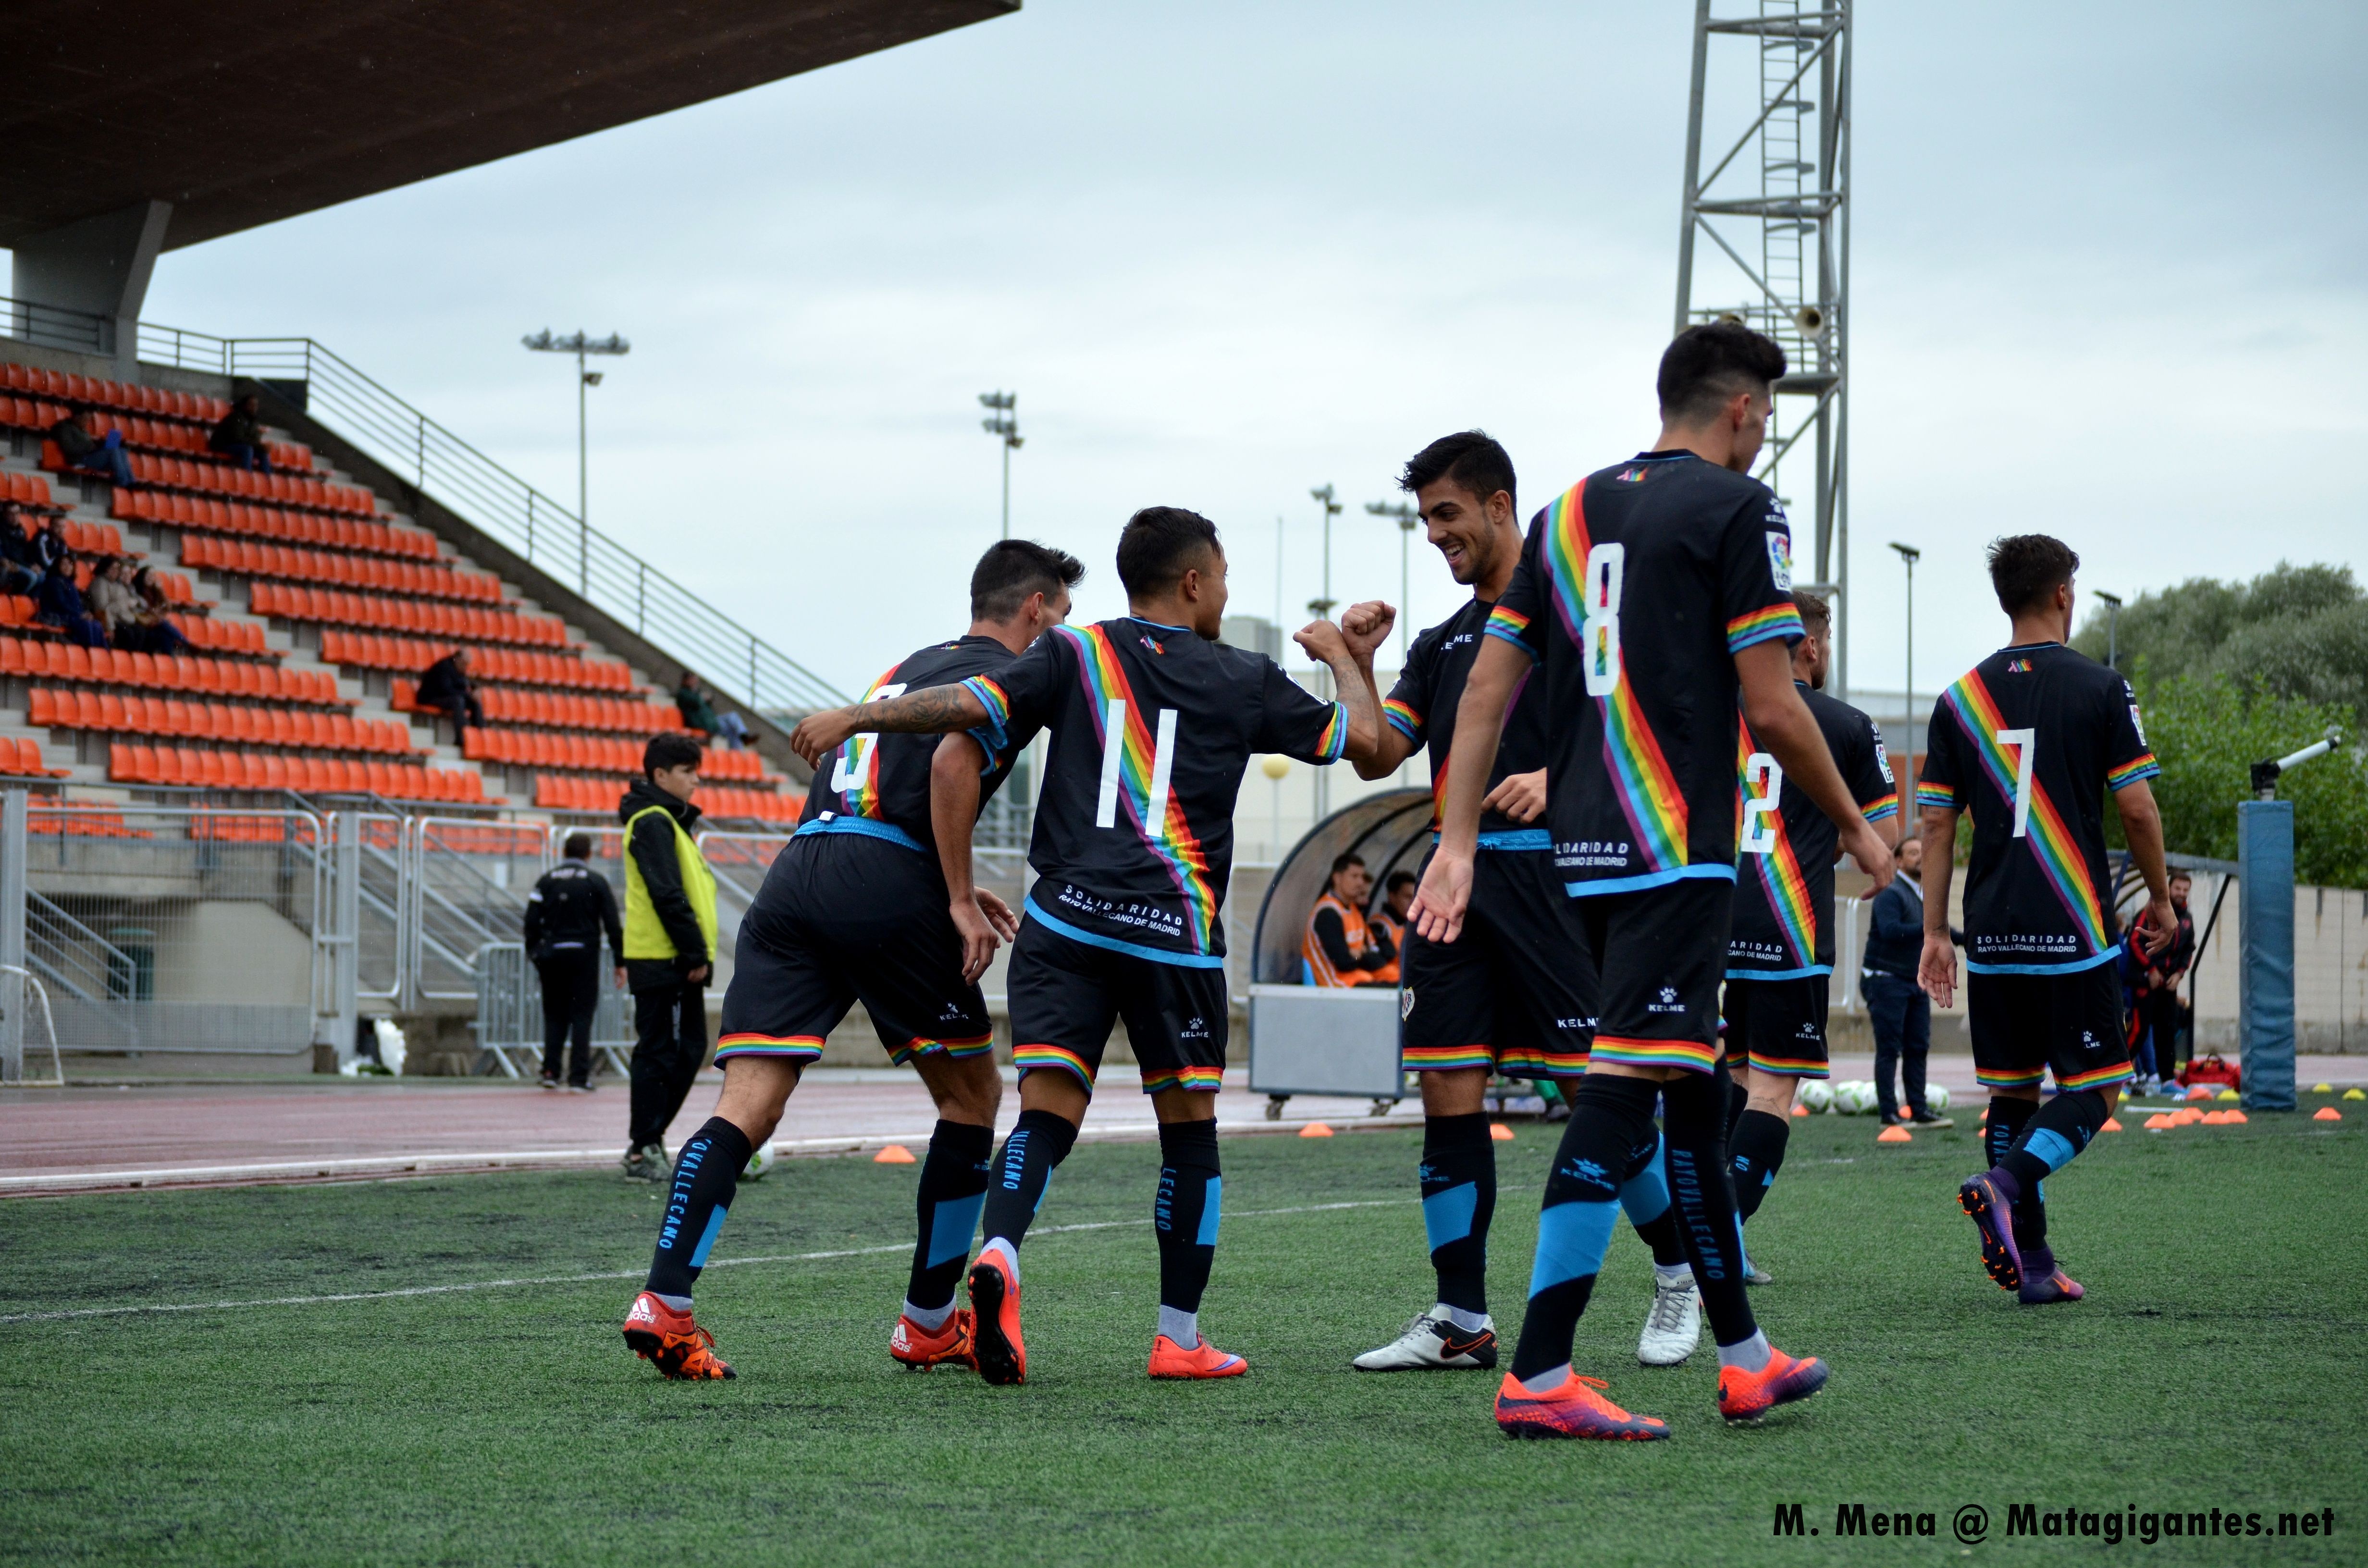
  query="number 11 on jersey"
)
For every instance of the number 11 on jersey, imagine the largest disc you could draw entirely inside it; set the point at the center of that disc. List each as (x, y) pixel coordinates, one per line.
(1162, 761)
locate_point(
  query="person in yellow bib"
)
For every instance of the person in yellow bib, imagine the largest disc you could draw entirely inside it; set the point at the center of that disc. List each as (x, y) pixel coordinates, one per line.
(669, 944)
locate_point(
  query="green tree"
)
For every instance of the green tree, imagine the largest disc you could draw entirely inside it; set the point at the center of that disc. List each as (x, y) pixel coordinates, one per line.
(2298, 633)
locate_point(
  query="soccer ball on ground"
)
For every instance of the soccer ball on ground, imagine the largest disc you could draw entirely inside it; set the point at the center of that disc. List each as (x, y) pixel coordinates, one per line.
(1855, 1098)
(761, 1159)
(1817, 1096)
(1936, 1099)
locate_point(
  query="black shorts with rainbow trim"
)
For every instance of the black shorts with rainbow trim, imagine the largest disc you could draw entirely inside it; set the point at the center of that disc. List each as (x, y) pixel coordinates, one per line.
(1662, 953)
(1777, 1025)
(2069, 1025)
(843, 918)
(1516, 990)
(1067, 994)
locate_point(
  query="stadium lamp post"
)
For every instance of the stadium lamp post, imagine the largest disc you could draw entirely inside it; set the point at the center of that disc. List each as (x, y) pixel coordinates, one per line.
(1406, 518)
(2112, 603)
(581, 347)
(1322, 608)
(1003, 420)
(1909, 556)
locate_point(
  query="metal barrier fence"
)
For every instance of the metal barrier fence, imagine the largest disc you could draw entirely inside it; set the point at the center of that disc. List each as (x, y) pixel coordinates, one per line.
(510, 1020)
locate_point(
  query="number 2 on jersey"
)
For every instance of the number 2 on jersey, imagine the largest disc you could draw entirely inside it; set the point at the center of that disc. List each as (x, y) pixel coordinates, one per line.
(1599, 634)
(854, 763)
(1765, 774)
(1162, 761)
(2025, 743)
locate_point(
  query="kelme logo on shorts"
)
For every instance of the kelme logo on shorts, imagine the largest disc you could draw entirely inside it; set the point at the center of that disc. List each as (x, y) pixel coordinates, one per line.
(1668, 1002)
(1406, 1004)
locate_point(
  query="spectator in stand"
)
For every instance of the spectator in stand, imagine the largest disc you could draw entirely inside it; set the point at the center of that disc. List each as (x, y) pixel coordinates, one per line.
(110, 599)
(2157, 1015)
(20, 566)
(444, 687)
(157, 634)
(61, 604)
(565, 915)
(669, 944)
(87, 453)
(50, 552)
(239, 437)
(1341, 948)
(690, 701)
(1896, 1004)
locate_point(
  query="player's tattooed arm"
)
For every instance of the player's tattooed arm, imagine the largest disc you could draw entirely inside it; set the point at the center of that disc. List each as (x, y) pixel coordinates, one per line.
(1446, 888)
(1325, 643)
(1781, 722)
(984, 921)
(934, 710)
(1937, 972)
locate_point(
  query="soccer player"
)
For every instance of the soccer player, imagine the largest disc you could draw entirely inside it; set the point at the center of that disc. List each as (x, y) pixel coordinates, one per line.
(1515, 992)
(1654, 593)
(1780, 951)
(872, 900)
(2029, 740)
(1153, 722)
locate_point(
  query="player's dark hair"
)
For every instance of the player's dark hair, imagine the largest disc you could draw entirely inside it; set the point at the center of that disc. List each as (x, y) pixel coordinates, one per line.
(671, 750)
(1816, 613)
(1342, 862)
(1014, 569)
(1707, 364)
(1469, 459)
(577, 848)
(1398, 879)
(2027, 569)
(1158, 545)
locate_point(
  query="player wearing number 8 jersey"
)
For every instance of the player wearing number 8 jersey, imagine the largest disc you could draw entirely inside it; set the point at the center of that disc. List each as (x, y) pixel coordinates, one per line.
(1153, 722)
(2029, 740)
(1653, 593)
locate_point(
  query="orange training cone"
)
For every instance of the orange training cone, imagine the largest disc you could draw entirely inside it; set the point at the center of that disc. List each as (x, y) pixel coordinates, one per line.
(2327, 1113)
(1800, 1110)
(2214, 1118)
(2112, 1124)
(1315, 1130)
(2235, 1118)
(2198, 1092)
(2158, 1123)
(895, 1155)
(1499, 1133)
(1892, 1135)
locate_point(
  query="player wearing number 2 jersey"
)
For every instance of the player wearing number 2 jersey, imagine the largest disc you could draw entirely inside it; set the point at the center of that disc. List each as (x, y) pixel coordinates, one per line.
(1153, 722)
(1650, 594)
(2029, 740)
(871, 899)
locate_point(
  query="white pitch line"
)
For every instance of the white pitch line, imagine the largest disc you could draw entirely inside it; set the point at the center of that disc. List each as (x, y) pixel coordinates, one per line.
(620, 1274)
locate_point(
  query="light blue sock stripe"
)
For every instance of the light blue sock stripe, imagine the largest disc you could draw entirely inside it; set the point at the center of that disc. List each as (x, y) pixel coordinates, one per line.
(951, 1227)
(2051, 1147)
(1571, 1240)
(1213, 1208)
(1645, 1195)
(714, 1226)
(1447, 1215)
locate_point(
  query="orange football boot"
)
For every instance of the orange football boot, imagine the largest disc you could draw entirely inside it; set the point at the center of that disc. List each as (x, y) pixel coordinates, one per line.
(1744, 1397)
(1574, 1410)
(996, 1349)
(922, 1348)
(671, 1342)
(1169, 1359)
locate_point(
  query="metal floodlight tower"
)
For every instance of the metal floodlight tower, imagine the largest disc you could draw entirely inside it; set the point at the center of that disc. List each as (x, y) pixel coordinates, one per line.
(1908, 815)
(579, 346)
(1004, 421)
(1789, 236)
(2112, 603)
(1406, 518)
(1322, 608)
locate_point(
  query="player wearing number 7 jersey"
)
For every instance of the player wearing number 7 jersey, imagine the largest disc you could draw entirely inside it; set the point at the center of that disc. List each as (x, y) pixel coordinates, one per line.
(872, 899)
(1153, 722)
(1653, 594)
(2029, 741)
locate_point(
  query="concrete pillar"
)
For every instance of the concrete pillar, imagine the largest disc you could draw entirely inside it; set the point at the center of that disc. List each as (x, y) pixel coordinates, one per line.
(100, 267)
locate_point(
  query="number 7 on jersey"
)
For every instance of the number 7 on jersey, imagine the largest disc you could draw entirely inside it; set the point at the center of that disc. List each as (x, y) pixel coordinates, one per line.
(2025, 743)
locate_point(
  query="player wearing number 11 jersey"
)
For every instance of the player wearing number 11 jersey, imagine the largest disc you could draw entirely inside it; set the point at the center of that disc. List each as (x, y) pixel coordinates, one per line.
(1153, 722)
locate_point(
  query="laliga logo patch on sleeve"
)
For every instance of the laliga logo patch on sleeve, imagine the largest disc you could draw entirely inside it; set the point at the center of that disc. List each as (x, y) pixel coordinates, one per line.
(1883, 758)
(2137, 723)
(1780, 559)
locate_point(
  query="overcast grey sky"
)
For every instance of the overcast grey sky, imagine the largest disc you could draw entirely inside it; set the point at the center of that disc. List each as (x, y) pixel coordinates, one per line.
(2108, 269)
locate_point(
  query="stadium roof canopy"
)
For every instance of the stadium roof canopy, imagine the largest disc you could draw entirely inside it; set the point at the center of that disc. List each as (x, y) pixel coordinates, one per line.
(231, 116)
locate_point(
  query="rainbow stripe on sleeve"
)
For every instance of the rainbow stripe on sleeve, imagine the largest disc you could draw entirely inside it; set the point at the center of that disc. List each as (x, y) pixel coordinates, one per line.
(1510, 625)
(1941, 795)
(1335, 739)
(2143, 766)
(991, 698)
(1759, 625)
(1883, 807)
(1402, 718)
(2049, 835)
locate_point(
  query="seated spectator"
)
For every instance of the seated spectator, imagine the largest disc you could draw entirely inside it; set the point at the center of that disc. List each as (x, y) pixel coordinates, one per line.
(690, 701)
(110, 598)
(1339, 947)
(157, 634)
(60, 603)
(445, 687)
(50, 552)
(20, 568)
(87, 453)
(1389, 920)
(239, 437)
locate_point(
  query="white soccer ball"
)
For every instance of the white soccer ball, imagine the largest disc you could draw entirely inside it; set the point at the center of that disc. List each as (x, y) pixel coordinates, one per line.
(760, 1161)
(1855, 1098)
(1817, 1096)
(1936, 1099)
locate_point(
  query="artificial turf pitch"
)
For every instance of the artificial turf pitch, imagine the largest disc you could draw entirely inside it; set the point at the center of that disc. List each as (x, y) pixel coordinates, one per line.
(2217, 1363)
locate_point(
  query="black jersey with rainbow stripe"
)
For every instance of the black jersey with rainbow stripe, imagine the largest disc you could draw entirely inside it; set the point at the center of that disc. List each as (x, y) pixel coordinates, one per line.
(1152, 728)
(1421, 707)
(1637, 587)
(879, 785)
(1783, 926)
(2029, 741)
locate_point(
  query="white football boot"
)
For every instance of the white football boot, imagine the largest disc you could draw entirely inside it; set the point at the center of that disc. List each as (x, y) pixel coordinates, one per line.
(1673, 1327)
(1432, 1342)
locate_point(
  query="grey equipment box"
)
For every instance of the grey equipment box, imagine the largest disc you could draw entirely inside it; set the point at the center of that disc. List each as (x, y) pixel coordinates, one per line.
(1307, 1040)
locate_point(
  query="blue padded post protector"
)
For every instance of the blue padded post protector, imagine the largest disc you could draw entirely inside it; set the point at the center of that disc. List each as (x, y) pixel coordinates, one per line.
(2265, 968)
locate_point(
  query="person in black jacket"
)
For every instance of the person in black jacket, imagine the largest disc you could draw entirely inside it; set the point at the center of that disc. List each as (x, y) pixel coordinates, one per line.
(87, 453)
(444, 687)
(239, 436)
(565, 915)
(1896, 1008)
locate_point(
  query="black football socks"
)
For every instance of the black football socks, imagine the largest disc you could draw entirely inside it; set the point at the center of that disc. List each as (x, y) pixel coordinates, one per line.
(1693, 1119)
(1610, 1117)
(1016, 1182)
(1756, 1154)
(952, 1190)
(2027, 1206)
(706, 1174)
(1185, 1214)
(1458, 1177)
(2051, 1139)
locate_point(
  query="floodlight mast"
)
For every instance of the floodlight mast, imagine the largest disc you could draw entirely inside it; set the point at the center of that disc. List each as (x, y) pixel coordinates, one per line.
(2112, 603)
(1909, 556)
(580, 345)
(1003, 420)
(1799, 294)
(1406, 518)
